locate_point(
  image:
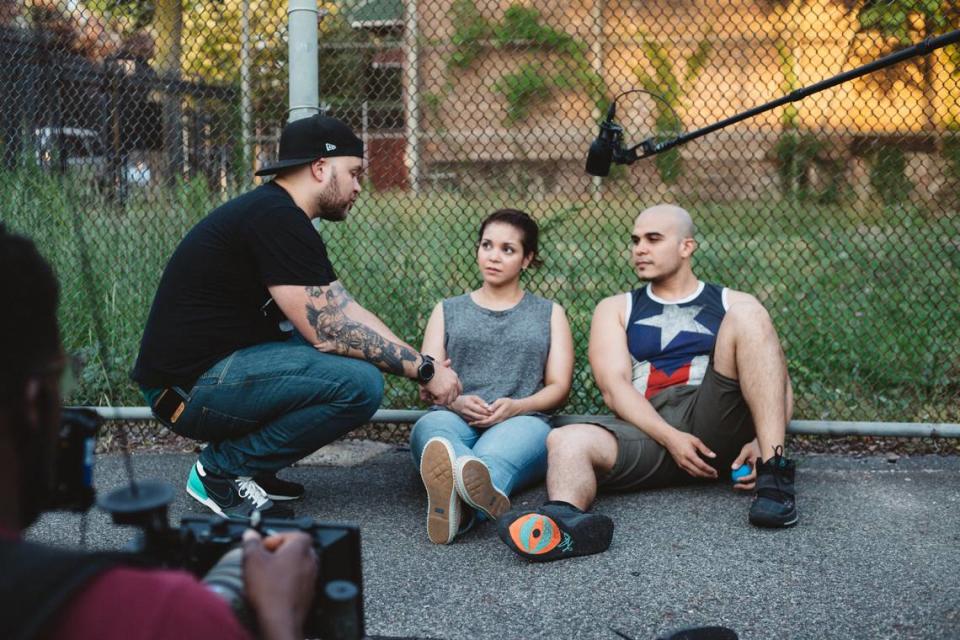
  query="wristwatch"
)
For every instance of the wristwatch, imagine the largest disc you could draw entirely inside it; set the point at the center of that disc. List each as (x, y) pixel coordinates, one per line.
(426, 369)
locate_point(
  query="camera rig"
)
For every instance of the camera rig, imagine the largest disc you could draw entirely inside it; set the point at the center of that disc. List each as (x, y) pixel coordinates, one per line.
(202, 543)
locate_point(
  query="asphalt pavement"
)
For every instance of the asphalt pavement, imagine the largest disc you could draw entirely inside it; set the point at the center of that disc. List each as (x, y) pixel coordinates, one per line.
(876, 554)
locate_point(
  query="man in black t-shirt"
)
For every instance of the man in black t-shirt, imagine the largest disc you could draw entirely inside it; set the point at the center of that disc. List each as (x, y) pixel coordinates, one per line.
(254, 345)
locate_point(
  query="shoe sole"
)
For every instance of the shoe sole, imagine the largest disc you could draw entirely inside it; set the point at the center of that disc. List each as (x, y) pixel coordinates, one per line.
(516, 534)
(538, 536)
(213, 506)
(282, 498)
(774, 524)
(207, 502)
(279, 497)
(443, 508)
(476, 488)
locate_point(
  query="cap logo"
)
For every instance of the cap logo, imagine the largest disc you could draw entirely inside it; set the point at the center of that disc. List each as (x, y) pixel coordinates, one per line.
(330, 147)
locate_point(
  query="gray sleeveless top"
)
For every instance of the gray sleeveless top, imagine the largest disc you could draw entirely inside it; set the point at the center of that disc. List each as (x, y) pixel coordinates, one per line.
(498, 354)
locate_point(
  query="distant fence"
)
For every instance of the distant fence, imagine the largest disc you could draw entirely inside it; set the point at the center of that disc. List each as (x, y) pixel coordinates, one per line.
(122, 124)
(65, 112)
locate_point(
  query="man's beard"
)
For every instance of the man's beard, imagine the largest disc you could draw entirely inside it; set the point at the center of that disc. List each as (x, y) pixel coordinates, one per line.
(331, 204)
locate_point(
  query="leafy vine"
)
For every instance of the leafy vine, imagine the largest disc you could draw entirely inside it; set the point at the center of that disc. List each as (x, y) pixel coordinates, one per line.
(534, 82)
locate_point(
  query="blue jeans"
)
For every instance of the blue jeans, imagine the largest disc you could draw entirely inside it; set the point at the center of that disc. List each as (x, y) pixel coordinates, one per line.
(265, 407)
(514, 450)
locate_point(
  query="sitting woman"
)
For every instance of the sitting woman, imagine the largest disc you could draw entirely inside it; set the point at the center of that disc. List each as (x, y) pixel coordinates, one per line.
(514, 354)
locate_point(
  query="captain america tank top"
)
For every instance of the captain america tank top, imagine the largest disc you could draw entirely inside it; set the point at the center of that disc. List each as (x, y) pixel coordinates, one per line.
(670, 341)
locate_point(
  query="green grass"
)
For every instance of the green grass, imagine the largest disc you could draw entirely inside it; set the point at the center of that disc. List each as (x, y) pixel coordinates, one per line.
(865, 300)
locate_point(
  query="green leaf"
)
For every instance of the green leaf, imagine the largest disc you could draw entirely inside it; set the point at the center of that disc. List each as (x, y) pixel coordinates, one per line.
(698, 59)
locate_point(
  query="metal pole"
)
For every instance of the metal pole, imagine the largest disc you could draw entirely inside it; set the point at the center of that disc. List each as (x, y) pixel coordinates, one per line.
(364, 126)
(596, 63)
(797, 427)
(246, 104)
(411, 95)
(302, 16)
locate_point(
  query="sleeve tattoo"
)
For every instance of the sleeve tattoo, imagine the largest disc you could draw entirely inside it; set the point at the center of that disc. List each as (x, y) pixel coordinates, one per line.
(338, 333)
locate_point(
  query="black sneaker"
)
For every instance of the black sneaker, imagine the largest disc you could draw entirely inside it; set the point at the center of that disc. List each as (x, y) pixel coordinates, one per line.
(775, 504)
(279, 489)
(232, 497)
(555, 531)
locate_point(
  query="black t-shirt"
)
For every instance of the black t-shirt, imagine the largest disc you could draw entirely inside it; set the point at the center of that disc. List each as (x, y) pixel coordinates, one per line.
(211, 297)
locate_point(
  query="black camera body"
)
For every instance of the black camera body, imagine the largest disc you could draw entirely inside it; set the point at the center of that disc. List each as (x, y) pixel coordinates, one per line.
(208, 546)
(202, 545)
(337, 607)
(72, 488)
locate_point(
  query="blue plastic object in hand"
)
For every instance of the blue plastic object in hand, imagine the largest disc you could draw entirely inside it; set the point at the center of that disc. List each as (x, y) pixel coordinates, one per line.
(741, 472)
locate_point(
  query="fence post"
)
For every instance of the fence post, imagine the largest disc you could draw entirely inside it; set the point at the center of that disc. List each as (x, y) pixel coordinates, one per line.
(302, 16)
(246, 103)
(12, 83)
(411, 93)
(116, 156)
(168, 22)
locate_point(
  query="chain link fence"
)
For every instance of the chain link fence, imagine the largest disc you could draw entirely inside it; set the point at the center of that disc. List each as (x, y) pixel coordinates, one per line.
(123, 122)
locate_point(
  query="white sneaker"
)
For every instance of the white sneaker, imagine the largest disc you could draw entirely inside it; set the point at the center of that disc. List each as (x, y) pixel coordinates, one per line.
(477, 489)
(443, 503)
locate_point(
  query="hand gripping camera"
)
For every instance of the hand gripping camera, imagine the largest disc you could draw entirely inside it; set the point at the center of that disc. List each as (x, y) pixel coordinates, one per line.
(209, 546)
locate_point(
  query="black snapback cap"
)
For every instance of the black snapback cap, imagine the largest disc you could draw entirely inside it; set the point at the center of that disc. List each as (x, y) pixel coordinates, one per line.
(303, 141)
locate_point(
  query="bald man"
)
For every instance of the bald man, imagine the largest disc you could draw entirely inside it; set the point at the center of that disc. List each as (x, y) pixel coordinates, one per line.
(696, 378)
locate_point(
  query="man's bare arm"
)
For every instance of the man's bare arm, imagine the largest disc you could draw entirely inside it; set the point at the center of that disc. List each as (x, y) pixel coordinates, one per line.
(613, 371)
(333, 322)
(330, 319)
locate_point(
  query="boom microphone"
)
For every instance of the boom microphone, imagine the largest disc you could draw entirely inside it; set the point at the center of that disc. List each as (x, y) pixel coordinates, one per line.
(608, 147)
(600, 155)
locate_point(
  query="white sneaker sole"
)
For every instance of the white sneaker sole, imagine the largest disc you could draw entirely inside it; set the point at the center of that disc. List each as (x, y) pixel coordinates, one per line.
(477, 489)
(207, 502)
(443, 503)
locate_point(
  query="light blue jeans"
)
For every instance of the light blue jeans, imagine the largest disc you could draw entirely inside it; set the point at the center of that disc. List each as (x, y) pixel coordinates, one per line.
(264, 407)
(514, 450)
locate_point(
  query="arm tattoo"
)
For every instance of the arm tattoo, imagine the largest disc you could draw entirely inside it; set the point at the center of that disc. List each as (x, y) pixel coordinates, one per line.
(338, 333)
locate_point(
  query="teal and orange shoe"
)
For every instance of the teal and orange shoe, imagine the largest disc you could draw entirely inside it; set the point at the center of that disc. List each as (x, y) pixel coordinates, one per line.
(555, 531)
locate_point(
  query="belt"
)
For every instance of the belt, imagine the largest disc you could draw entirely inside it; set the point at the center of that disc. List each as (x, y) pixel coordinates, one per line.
(169, 404)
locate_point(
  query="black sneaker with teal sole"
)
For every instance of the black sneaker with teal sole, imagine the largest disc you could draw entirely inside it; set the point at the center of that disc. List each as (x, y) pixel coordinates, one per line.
(775, 504)
(231, 497)
(555, 531)
(278, 489)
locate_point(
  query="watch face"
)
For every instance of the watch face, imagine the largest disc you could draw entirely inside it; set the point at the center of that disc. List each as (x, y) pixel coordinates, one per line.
(425, 373)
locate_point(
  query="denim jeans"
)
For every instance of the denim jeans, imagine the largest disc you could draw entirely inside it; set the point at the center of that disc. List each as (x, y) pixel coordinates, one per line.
(514, 450)
(265, 407)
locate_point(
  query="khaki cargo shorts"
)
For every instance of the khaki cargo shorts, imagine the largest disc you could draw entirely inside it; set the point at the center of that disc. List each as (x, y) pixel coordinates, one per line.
(714, 411)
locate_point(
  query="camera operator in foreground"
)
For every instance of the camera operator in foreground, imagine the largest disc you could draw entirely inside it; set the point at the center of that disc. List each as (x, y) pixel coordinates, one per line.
(49, 592)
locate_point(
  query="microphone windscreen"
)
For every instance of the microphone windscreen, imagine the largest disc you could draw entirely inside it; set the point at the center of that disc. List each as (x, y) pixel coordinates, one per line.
(599, 158)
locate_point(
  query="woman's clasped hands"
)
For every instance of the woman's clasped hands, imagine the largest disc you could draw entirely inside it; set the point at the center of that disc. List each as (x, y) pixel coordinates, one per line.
(479, 413)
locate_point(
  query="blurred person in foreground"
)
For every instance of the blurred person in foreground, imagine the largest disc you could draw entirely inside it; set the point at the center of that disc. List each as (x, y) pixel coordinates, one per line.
(698, 384)
(254, 345)
(47, 592)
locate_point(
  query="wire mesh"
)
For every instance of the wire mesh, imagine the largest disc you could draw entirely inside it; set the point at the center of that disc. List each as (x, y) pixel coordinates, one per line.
(123, 122)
